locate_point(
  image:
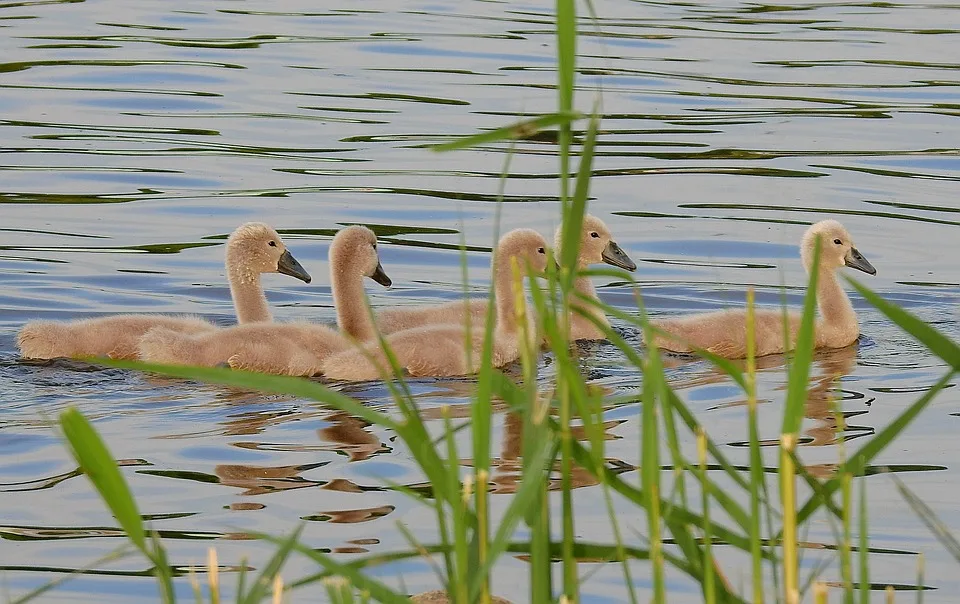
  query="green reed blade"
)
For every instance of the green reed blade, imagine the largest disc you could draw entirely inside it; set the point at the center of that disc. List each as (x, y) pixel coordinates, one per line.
(864, 553)
(676, 404)
(566, 34)
(457, 565)
(846, 541)
(621, 549)
(98, 464)
(572, 220)
(266, 383)
(721, 363)
(425, 554)
(859, 460)
(412, 430)
(940, 530)
(261, 587)
(516, 131)
(650, 470)
(936, 342)
(709, 585)
(586, 550)
(351, 572)
(920, 588)
(799, 376)
(639, 497)
(730, 504)
(524, 500)
(757, 477)
(110, 556)
(481, 410)
(162, 568)
(573, 212)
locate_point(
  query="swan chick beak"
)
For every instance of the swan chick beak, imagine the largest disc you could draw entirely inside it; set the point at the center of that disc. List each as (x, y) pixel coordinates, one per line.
(612, 254)
(854, 259)
(288, 265)
(381, 277)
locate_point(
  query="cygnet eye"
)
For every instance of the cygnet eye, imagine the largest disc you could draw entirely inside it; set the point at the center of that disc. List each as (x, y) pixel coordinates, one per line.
(838, 242)
(272, 243)
(540, 250)
(595, 235)
(374, 246)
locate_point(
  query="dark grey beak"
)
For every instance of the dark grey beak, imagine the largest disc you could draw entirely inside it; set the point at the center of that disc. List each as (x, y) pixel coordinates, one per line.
(854, 259)
(381, 277)
(612, 254)
(288, 265)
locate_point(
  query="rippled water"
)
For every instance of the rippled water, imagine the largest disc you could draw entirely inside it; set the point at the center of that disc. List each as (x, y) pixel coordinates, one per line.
(135, 136)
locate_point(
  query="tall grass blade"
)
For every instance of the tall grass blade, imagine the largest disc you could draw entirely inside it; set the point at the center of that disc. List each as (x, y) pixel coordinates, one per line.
(100, 467)
(650, 471)
(351, 572)
(757, 476)
(864, 553)
(516, 131)
(709, 584)
(936, 342)
(929, 518)
(98, 464)
(803, 355)
(857, 462)
(35, 593)
(213, 575)
(260, 588)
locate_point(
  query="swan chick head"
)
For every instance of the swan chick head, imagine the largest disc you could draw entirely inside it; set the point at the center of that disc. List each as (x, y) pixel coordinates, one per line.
(836, 248)
(355, 248)
(527, 246)
(256, 248)
(596, 245)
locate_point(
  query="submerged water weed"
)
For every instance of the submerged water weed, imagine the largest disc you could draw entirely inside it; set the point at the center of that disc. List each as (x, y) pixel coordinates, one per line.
(563, 432)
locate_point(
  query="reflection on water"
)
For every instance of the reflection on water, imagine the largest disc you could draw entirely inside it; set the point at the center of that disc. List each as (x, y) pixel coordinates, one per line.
(136, 135)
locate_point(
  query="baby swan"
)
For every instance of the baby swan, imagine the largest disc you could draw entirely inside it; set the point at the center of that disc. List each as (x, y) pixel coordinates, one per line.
(724, 332)
(596, 245)
(253, 248)
(446, 350)
(286, 348)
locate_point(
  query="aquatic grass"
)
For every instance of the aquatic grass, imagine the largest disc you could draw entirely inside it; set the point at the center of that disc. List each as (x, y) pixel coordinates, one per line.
(96, 462)
(792, 416)
(864, 549)
(757, 476)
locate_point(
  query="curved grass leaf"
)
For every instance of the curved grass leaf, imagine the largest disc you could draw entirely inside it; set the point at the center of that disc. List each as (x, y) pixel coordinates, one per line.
(936, 342)
(516, 131)
(857, 462)
(98, 464)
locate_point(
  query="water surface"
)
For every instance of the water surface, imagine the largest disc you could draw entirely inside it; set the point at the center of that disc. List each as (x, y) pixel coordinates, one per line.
(136, 135)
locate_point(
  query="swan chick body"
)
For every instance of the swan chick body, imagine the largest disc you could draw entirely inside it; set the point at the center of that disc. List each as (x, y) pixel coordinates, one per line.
(596, 245)
(452, 349)
(295, 348)
(724, 332)
(252, 249)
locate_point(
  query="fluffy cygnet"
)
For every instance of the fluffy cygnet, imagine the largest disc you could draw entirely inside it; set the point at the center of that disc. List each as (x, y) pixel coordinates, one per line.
(252, 249)
(446, 350)
(286, 348)
(596, 245)
(724, 332)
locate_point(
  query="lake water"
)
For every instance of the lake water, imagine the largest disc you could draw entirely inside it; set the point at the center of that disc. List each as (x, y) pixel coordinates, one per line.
(135, 135)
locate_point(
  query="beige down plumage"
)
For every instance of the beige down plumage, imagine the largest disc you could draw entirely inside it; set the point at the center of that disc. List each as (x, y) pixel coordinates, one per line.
(724, 332)
(447, 350)
(252, 249)
(295, 348)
